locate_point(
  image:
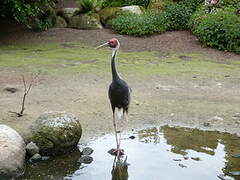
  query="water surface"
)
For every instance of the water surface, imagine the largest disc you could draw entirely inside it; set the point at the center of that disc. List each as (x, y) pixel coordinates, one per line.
(156, 153)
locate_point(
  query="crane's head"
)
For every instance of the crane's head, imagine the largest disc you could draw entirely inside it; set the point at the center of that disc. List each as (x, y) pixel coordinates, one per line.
(112, 43)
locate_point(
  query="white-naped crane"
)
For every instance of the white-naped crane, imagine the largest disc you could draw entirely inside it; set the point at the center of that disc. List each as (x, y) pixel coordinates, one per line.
(118, 93)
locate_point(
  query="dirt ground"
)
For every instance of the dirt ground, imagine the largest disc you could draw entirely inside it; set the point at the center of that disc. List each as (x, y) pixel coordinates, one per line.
(199, 103)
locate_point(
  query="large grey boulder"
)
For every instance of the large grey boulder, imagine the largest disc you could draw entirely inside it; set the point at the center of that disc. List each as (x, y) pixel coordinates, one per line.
(67, 13)
(56, 132)
(132, 9)
(85, 21)
(12, 153)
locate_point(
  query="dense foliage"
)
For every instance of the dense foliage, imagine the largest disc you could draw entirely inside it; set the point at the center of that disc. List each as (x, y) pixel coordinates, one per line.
(230, 3)
(89, 5)
(118, 3)
(220, 30)
(143, 3)
(25, 11)
(177, 16)
(139, 25)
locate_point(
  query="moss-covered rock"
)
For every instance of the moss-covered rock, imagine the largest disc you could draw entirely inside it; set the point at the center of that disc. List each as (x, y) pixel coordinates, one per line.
(159, 5)
(67, 13)
(56, 132)
(108, 13)
(85, 21)
(60, 22)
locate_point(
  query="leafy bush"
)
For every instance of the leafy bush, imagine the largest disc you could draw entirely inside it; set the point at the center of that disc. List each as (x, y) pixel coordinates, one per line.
(193, 4)
(27, 11)
(234, 3)
(143, 3)
(219, 30)
(139, 25)
(112, 3)
(89, 5)
(120, 3)
(177, 16)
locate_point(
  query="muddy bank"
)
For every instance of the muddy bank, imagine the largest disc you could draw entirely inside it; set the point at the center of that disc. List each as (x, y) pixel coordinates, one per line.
(198, 103)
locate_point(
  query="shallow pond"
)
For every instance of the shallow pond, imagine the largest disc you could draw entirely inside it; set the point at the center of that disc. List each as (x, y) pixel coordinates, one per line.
(155, 153)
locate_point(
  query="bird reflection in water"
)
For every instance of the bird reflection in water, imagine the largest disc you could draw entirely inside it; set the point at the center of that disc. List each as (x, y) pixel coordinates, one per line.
(120, 168)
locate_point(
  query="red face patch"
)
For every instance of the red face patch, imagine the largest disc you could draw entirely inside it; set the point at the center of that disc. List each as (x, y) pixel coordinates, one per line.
(113, 43)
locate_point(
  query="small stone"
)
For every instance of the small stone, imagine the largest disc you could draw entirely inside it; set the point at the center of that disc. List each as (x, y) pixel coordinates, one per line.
(235, 173)
(86, 159)
(132, 137)
(195, 158)
(35, 158)
(194, 76)
(219, 84)
(236, 155)
(222, 177)
(45, 158)
(206, 124)
(237, 115)
(113, 152)
(177, 160)
(227, 76)
(216, 118)
(10, 89)
(182, 165)
(32, 148)
(185, 158)
(87, 151)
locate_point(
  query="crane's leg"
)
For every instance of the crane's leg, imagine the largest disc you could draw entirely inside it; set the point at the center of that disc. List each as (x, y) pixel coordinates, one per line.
(115, 129)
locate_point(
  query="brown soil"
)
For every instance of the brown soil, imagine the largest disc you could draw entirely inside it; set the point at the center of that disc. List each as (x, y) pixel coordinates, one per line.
(207, 104)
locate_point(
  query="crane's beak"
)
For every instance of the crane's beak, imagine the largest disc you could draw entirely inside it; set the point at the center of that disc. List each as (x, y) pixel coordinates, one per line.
(105, 44)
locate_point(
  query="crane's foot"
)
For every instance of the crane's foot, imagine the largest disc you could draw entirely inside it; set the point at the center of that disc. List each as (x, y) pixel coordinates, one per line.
(117, 151)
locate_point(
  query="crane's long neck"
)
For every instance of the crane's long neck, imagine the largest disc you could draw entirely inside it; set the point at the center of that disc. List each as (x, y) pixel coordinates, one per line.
(115, 75)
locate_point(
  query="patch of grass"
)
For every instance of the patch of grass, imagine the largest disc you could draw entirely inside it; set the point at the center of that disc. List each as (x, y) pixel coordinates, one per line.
(75, 57)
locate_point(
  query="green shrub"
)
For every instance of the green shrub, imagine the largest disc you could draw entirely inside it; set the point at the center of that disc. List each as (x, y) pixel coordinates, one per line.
(177, 16)
(27, 12)
(193, 4)
(219, 30)
(139, 25)
(112, 3)
(234, 3)
(88, 5)
(120, 3)
(143, 3)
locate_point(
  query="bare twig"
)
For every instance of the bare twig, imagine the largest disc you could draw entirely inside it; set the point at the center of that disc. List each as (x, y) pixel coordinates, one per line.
(26, 91)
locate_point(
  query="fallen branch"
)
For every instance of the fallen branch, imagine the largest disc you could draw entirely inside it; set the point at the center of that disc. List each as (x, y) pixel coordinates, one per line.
(26, 92)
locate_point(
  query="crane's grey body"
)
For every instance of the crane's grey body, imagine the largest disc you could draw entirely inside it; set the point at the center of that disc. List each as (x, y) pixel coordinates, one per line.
(119, 92)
